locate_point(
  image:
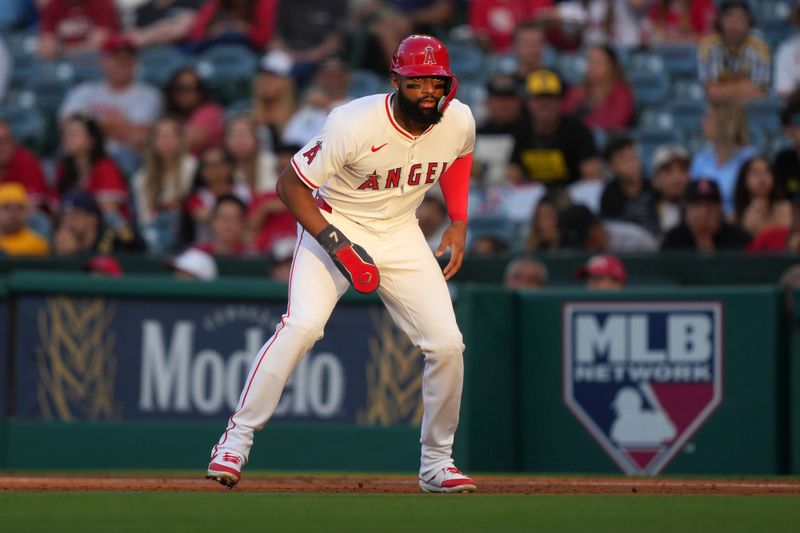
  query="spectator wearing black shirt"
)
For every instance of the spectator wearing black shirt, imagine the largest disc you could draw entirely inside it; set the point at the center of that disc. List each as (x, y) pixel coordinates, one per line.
(559, 149)
(163, 22)
(309, 32)
(704, 228)
(81, 230)
(786, 166)
(506, 119)
(628, 196)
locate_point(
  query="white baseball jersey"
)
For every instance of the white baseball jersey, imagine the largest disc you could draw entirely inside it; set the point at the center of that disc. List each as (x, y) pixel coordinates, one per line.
(373, 174)
(366, 166)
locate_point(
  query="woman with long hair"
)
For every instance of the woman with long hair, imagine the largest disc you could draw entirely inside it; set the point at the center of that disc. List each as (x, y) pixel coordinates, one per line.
(253, 166)
(86, 166)
(604, 100)
(758, 202)
(187, 98)
(543, 233)
(726, 150)
(274, 92)
(213, 179)
(162, 183)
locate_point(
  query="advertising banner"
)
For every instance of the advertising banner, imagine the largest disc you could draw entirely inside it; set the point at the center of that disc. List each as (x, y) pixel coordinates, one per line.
(98, 358)
(642, 377)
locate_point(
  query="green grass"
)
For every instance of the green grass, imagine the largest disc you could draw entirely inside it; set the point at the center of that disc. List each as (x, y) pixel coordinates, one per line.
(241, 512)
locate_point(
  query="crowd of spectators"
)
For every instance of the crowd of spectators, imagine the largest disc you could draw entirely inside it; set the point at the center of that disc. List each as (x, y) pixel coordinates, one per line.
(565, 157)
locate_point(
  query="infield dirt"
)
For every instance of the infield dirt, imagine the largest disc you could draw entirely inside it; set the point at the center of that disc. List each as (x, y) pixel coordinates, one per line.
(408, 485)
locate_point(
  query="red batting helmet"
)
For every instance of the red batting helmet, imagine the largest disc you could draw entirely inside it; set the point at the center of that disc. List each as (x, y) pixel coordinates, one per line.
(423, 55)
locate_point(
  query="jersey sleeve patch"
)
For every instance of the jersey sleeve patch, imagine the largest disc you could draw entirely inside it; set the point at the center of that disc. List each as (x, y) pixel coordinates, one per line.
(302, 176)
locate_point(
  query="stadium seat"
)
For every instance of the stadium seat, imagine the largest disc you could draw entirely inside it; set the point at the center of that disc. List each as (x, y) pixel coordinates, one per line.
(655, 120)
(227, 62)
(680, 60)
(158, 63)
(688, 90)
(472, 94)
(28, 124)
(22, 49)
(572, 67)
(364, 82)
(758, 138)
(648, 78)
(49, 83)
(649, 87)
(498, 226)
(85, 66)
(686, 114)
(772, 21)
(466, 61)
(651, 134)
(765, 113)
(239, 107)
(777, 144)
(601, 137)
(228, 69)
(644, 62)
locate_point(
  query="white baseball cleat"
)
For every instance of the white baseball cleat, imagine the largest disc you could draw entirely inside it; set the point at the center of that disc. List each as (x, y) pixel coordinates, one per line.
(226, 468)
(447, 479)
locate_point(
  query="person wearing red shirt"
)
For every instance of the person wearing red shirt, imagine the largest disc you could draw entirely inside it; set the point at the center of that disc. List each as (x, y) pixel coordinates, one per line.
(494, 21)
(250, 21)
(76, 26)
(604, 100)
(676, 21)
(18, 164)
(269, 221)
(85, 166)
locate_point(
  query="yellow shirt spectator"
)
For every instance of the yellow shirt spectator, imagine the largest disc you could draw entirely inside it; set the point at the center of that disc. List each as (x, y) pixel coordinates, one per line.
(15, 237)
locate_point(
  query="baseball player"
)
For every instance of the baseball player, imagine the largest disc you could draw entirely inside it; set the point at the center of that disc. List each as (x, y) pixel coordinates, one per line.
(354, 190)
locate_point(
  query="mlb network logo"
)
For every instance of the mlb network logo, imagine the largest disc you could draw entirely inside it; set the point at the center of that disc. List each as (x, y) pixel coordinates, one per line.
(642, 377)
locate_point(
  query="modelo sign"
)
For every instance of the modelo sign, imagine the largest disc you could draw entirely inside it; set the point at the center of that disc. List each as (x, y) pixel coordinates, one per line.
(97, 358)
(642, 377)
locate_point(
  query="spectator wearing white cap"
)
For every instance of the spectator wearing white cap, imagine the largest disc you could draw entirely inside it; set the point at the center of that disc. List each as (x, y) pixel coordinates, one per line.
(281, 258)
(670, 166)
(193, 264)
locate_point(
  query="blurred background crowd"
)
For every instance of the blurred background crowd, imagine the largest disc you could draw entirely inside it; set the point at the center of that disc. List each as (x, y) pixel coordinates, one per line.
(606, 126)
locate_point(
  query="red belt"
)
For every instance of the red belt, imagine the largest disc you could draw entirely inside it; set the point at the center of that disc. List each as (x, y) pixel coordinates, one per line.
(324, 205)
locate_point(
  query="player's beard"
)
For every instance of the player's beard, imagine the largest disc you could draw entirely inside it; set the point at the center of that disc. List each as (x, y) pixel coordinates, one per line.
(412, 110)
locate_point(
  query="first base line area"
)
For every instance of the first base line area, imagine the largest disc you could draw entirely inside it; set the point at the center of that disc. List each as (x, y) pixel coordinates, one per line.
(408, 485)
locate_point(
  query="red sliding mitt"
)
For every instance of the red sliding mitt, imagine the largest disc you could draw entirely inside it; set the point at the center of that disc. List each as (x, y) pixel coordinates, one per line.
(351, 259)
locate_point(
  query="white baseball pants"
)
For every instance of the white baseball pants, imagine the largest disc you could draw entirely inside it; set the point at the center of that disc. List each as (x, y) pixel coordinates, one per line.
(412, 289)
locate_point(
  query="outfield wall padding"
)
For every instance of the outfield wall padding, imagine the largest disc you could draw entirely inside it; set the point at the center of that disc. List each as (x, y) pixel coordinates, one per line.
(36, 445)
(515, 414)
(745, 434)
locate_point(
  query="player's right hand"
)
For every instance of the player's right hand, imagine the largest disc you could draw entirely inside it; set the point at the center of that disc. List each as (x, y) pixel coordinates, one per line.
(351, 259)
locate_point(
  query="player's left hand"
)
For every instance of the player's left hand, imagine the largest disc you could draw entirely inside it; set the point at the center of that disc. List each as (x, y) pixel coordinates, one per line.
(454, 238)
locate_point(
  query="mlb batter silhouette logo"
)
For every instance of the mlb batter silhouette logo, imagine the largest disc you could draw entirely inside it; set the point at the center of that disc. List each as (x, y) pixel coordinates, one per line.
(642, 377)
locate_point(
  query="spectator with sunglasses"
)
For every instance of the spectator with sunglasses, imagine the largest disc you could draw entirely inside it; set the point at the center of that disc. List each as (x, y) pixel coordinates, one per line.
(188, 99)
